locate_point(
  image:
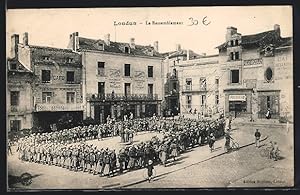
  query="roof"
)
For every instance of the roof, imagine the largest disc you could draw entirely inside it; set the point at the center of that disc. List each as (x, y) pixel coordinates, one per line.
(51, 48)
(192, 54)
(264, 38)
(287, 41)
(20, 66)
(117, 47)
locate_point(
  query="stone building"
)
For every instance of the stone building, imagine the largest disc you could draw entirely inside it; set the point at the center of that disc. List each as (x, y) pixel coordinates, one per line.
(18, 93)
(258, 73)
(199, 88)
(172, 63)
(119, 78)
(56, 82)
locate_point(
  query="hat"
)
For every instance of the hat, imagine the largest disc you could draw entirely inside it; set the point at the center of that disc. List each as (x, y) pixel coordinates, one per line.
(150, 162)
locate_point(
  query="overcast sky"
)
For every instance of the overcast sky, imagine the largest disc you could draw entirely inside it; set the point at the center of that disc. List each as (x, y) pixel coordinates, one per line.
(51, 27)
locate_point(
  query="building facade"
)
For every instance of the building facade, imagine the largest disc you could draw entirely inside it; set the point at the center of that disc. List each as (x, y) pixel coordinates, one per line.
(199, 89)
(258, 74)
(172, 64)
(119, 78)
(55, 88)
(18, 96)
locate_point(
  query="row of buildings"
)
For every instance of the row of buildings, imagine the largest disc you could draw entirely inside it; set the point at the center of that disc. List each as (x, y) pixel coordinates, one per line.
(99, 78)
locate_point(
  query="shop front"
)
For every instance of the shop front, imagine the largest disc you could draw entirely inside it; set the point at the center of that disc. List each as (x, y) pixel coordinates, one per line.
(238, 103)
(268, 100)
(100, 110)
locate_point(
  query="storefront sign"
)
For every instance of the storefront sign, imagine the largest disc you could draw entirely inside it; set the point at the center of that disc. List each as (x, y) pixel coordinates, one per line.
(139, 74)
(139, 79)
(237, 98)
(114, 83)
(114, 78)
(58, 107)
(283, 67)
(114, 73)
(60, 78)
(253, 62)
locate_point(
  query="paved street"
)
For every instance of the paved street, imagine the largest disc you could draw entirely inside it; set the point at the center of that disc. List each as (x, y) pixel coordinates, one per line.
(196, 168)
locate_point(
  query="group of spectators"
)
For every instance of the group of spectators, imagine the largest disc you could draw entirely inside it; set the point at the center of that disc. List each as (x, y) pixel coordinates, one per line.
(68, 148)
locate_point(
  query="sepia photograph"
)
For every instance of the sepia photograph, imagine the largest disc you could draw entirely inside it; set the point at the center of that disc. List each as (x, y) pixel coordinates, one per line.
(149, 98)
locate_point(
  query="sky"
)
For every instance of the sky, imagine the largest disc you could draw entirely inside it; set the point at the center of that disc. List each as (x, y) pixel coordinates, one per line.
(52, 27)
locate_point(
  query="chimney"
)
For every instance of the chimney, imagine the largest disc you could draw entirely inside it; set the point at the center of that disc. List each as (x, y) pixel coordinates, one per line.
(74, 41)
(132, 43)
(107, 39)
(230, 31)
(155, 45)
(14, 45)
(277, 30)
(25, 39)
(188, 55)
(178, 47)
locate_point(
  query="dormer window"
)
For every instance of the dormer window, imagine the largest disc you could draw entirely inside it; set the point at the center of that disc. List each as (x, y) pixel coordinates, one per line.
(127, 50)
(231, 43)
(101, 46)
(268, 51)
(46, 58)
(13, 66)
(70, 60)
(236, 42)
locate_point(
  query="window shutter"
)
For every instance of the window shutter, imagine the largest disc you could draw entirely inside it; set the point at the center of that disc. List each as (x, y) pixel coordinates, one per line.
(240, 76)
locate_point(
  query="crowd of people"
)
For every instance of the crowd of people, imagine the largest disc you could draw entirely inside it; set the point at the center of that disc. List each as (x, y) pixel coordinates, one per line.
(68, 148)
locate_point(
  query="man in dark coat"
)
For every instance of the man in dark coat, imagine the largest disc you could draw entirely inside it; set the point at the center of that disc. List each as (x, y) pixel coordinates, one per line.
(121, 158)
(92, 159)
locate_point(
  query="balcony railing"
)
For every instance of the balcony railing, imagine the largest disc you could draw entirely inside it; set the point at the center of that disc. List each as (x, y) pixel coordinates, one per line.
(58, 107)
(120, 97)
(195, 88)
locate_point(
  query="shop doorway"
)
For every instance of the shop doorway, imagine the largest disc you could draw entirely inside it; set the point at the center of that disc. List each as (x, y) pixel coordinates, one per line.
(237, 108)
(268, 101)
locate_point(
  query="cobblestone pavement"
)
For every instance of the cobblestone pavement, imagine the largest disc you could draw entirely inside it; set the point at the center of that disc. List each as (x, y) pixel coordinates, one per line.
(196, 168)
(242, 168)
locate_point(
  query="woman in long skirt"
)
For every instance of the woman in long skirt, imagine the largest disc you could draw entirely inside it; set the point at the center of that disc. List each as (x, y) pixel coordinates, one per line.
(174, 150)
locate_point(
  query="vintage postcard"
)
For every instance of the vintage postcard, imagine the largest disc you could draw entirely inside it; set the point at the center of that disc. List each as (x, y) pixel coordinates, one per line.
(152, 97)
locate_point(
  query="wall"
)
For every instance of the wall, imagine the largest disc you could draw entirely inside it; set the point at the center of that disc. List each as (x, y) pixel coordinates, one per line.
(114, 73)
(283, 75)
(19, 82)
(24, 56)
(208, 68)
(253, 67)
(58, 83)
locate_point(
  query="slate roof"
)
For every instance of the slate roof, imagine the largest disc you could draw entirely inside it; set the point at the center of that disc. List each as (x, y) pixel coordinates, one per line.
(51, 48)
(117, 47)
(183, 52)
(261, 39)
(19, 65)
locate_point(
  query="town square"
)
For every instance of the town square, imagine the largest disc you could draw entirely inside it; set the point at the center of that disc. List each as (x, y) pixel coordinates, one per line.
(148, 98)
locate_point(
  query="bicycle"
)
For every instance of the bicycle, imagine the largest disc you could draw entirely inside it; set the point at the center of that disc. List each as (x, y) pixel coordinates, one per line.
(266, 152)
(234, 146)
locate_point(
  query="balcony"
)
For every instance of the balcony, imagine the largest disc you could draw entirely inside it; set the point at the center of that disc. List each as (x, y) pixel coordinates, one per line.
(121, 97)
(58, 107)
(194, 88)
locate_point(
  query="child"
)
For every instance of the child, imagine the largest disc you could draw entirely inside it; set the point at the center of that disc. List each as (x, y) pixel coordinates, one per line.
(150, 170)
(211, 143)
(257, 138)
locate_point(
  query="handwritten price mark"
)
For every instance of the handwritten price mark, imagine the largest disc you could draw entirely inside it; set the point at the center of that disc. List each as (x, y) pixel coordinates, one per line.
(195, 22)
